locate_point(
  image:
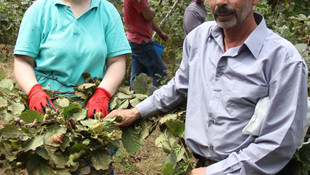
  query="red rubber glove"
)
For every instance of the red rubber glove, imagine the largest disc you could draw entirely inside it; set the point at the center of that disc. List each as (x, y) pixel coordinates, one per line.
(38, 99)
(99, 102)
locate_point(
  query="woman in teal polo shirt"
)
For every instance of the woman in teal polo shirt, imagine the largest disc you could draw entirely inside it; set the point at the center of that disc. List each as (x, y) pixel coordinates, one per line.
(60, 39)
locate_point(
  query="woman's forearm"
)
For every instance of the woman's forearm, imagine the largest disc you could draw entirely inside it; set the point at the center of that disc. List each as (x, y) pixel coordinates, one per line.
(115, 73)
(24, 72)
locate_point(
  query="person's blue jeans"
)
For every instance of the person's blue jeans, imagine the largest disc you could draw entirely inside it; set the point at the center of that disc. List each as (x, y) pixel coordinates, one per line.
(145, 59)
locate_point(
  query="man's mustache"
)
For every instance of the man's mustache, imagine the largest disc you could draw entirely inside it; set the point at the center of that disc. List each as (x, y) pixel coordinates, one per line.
(223, 10)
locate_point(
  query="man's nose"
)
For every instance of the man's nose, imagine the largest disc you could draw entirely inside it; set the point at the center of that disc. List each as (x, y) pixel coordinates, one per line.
(220, 3)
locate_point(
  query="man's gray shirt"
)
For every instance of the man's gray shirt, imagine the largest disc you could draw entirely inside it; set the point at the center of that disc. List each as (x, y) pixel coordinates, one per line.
(221, 90)
(194, 15)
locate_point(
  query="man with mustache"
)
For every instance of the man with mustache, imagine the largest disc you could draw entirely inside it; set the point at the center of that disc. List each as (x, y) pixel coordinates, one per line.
(227, 66)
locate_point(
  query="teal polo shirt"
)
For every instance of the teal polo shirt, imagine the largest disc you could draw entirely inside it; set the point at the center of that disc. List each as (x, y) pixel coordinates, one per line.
(64, 47)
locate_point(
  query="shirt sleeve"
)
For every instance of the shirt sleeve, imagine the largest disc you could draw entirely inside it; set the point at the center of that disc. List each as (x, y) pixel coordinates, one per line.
(280, 133)
(191, 21)
(29, 36)
(140, 5)
(170, 95)
(116, 39)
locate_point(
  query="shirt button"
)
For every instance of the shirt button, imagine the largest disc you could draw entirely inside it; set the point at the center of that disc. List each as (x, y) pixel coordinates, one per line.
(212, 121)
(211, 148)
(221, 73)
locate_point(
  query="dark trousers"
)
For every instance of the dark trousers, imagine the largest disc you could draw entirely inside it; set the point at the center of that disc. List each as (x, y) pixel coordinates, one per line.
(203, 162)
(288, 169)
(145, 59)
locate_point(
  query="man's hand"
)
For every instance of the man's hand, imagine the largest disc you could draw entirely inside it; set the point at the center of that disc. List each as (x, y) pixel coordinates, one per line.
(129, 116)
(164, 36)
(38, 99)
(98, 102)
(197, 171)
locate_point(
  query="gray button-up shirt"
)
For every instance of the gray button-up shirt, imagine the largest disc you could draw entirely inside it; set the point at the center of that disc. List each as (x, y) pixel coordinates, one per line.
(194, 15)
(222, 89)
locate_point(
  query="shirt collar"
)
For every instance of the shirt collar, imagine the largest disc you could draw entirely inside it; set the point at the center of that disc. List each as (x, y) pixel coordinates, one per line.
(255, 40)
(94, 3)
(58, 2)
(217, 34)
(216, 31)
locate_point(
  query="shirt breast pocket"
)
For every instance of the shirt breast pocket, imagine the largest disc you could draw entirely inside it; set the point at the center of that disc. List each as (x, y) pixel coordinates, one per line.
(242, 97)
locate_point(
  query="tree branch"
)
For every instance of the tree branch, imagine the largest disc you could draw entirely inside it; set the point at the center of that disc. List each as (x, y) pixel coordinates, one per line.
(167, 16)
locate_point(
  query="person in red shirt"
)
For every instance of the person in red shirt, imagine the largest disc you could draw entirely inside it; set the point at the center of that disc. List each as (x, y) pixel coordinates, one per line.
(139, 20)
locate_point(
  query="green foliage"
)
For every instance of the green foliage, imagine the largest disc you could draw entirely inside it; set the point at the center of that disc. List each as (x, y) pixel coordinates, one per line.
(142, 85)
(173, 26)
(291, 20)
(179, 159)
(64, 141)
(301, 160)
(125, 99)
(11, 13)
(59, 142)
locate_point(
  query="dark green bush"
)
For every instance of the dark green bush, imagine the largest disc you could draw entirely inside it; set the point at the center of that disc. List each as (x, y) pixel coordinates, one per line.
(11, 13)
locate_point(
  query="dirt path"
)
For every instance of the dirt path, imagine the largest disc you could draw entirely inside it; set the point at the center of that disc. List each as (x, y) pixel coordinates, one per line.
(6, 61)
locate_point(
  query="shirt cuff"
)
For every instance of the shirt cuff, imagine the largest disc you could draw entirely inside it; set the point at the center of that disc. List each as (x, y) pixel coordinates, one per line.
(146, 108)
(230, 165)
(27, 53)
(215, 169)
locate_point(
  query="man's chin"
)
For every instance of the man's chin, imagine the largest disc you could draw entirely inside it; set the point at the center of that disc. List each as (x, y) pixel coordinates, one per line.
(226, 24)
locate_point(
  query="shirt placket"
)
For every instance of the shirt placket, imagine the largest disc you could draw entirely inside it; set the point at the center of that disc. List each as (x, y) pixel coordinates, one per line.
(215, 102)
(217, 108)
(76, 28)
(74, 21)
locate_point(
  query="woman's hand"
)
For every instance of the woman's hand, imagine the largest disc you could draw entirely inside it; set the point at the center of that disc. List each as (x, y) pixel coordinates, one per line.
(39, 100)
(98, 102)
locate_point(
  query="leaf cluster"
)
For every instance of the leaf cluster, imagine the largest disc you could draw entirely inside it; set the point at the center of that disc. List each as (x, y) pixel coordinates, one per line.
(179, 159)
(58, 142)
(11, 13)
(65, 142)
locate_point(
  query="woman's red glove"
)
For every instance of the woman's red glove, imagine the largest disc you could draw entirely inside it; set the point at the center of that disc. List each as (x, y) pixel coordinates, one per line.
(98, 102)
(38, 99)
